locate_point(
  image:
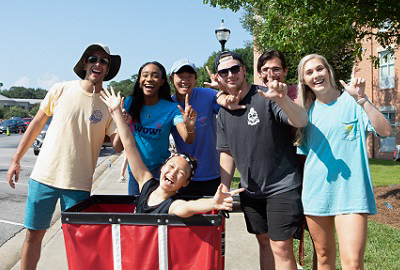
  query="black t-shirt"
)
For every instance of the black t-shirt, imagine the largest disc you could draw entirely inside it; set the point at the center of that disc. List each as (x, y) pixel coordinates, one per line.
(260, 141)
(143, 207)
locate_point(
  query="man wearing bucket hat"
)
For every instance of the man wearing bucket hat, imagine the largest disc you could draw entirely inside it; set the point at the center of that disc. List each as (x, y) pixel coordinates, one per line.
(206, 102)
(68, 158)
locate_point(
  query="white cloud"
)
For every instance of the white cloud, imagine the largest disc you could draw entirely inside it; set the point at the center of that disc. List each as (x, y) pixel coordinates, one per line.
(47, 80)
(22, 81)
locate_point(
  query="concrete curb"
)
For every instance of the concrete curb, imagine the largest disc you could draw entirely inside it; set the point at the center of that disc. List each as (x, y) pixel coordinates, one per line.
(10, 251)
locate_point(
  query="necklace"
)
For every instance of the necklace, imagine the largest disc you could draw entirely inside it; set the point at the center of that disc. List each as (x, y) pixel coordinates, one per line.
(96, 115)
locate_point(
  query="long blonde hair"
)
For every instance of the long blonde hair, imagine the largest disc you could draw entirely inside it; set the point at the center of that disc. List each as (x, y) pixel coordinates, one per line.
(306, 96)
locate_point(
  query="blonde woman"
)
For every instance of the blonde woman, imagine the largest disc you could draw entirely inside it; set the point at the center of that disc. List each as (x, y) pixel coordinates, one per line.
(337, 188)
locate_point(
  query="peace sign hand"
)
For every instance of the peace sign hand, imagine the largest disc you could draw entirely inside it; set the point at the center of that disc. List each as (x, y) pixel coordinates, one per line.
(189, 115)
(214, 80)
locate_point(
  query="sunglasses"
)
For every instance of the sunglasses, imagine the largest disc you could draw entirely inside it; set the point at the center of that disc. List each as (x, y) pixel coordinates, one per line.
(93, 59)
(225, 72)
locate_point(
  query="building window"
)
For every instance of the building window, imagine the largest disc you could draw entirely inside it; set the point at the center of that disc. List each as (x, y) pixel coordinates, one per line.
(387, 144)
(386, 70)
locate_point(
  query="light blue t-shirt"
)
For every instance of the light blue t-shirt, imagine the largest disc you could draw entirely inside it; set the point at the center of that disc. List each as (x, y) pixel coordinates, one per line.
(337, 178)
(152, 133)
(203, 149)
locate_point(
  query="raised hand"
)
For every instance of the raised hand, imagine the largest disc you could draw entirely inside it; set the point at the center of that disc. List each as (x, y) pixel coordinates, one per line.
(214, 80)
(223, 200)
(189, 115)
(231, 102)
(356, 86)
(112, 100)
(276, 90)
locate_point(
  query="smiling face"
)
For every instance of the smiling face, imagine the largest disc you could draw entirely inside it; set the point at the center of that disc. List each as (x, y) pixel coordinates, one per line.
(175, 173)
(278, 73)
(233, 82)
(151, 80)
(316, 76)
(184, 82)
(95, 72)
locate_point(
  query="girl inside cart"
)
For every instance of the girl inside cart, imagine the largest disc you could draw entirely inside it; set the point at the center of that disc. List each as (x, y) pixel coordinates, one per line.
(161, 196)
(337, 187)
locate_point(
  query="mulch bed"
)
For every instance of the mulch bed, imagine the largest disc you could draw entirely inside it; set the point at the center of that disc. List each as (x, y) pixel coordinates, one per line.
(389, 195)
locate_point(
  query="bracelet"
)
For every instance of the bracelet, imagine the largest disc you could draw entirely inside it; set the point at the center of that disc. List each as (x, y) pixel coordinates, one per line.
(219, 94)
(190, 131)
(362, 100)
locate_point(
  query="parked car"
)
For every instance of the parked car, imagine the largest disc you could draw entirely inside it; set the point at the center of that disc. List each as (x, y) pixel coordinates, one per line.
(27, 120)
(37, 144)
(13, 125)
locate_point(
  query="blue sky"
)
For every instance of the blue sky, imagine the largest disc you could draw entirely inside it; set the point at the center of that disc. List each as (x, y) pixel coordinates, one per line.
(41, 41)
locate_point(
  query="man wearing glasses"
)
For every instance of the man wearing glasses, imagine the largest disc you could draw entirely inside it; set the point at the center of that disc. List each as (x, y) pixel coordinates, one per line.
(274, 60)
(258, 141)
(68, 158)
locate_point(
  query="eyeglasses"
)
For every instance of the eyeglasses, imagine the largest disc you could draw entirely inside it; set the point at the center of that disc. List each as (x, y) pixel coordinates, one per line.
(275, 70)
(93, 59)
(225, 72)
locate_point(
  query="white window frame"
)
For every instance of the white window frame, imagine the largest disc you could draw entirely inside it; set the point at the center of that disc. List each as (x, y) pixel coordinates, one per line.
(388, 144)
(386, 63)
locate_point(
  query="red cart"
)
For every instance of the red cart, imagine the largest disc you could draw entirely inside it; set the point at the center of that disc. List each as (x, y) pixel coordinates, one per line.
(103, 233)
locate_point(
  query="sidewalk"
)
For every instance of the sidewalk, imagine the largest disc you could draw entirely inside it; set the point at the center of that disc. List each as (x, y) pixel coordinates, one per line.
(241, 250)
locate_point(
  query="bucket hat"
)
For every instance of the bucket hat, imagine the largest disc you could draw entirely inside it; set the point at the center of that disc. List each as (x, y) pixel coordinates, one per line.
(115, 61)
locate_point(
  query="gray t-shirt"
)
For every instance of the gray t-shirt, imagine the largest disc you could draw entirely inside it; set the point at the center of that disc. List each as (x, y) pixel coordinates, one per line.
(260, 141)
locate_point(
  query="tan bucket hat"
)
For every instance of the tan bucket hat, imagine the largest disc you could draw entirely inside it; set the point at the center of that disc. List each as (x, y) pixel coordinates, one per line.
(115, 61)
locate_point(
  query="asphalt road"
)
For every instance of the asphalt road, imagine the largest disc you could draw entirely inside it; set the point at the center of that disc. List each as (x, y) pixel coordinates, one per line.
(12, 201)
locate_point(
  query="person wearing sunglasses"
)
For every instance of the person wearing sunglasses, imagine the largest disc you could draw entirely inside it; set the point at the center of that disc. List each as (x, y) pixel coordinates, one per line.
(207, 103)
(257, 140)
(66, 163)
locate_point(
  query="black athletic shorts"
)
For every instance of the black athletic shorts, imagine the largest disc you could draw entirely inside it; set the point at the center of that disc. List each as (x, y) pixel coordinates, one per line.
(281, 216)
(201, 188)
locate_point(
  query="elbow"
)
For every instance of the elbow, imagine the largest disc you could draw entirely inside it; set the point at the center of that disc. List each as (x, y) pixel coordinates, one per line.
(387, 132)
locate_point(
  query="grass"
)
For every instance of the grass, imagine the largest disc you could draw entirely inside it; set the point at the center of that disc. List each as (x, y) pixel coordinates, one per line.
(383, 173)
(383, 242)
(382, 250)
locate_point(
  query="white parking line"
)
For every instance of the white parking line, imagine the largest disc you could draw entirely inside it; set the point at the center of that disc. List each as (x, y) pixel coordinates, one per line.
(22, 165)
(10, 222)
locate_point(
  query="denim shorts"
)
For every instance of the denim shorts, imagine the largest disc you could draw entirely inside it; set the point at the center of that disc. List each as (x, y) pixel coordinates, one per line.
(41, 203)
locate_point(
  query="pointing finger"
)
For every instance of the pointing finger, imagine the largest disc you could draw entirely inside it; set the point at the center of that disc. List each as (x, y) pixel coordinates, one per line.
(343, 83)
(187, 100)
(236, 191)
(353, 72)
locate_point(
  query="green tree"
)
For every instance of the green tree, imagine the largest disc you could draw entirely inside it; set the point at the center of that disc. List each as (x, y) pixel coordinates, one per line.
(26, 93)
(2, 113)
(124, 86)
(246, 53)
(333, 28)
(34, 110)
(16, 111)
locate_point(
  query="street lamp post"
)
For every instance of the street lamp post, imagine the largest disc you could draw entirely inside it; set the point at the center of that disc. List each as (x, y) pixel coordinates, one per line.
(222, 34)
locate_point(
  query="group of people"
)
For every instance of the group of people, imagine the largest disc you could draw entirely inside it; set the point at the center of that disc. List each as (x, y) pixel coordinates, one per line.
(256, 131)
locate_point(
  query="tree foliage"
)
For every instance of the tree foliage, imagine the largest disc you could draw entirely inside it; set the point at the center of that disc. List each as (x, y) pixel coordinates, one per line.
(246, 53)
(124, 86)
(26, 93)
(333, 28)
(16, 111)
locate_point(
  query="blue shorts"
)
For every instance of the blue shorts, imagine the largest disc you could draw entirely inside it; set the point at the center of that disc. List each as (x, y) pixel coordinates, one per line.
(41, 203)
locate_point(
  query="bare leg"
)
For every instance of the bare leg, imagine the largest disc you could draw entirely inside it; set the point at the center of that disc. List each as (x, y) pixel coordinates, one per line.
(322, 230)
(352, 236)
(283, 254)
(31, 249)
(266, 255)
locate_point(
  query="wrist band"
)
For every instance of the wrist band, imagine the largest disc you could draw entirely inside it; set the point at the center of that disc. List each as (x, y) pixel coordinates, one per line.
(189, 132)
(361, 101)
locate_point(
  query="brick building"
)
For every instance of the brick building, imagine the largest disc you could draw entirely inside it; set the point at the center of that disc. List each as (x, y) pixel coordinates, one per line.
(383, 89)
